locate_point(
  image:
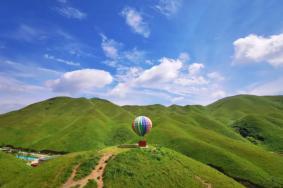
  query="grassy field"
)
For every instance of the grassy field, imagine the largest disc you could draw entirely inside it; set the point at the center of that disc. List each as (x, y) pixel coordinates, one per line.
(11, 167)
(160, 167)
(241, 136)
(50, 174)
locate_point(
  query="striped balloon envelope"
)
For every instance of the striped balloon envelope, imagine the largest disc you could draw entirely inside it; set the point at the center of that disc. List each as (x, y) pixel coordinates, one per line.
(142, 125)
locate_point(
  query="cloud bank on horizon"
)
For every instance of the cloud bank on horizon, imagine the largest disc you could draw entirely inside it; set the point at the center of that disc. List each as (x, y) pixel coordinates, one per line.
(161, 51)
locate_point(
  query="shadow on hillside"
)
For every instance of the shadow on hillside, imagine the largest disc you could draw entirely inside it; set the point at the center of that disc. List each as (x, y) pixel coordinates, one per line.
(244, 182)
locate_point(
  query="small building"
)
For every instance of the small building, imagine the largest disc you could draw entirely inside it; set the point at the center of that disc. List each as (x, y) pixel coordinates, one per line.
(34, 163)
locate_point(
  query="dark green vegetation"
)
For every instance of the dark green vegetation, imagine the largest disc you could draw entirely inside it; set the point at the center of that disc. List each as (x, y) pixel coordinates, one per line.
(161, 168)
(241, 136)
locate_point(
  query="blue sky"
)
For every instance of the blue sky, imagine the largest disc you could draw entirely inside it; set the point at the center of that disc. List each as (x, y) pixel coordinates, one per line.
(139, 52)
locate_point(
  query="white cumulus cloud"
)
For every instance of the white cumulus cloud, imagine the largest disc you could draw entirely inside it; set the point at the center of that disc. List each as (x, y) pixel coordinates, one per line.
(254, 48)
(195, 68)
(135, 20)
(168, 7)
(120, 90)
(80, 81)
(167, 70)
(169, 81)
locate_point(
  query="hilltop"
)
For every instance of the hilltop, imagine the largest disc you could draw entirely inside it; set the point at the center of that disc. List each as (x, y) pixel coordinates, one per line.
(240, 136)
(161, 167)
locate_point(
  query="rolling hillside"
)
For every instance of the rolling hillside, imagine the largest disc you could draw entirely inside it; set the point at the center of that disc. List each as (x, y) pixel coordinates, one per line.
(161, 167)
(240, 136)
(154, 167)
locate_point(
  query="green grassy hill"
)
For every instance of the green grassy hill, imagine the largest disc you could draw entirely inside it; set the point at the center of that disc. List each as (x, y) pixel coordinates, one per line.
(260, 119)
(50, 174)
(161, 168)
(153, 167)
(57, 123)
(204, 134)
(240, 136)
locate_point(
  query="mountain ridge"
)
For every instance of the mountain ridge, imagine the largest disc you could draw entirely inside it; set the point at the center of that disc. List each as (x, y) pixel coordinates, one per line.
(237, 134)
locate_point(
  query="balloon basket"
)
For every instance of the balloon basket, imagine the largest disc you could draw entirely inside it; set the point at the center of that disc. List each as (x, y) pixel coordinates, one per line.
(142, 144)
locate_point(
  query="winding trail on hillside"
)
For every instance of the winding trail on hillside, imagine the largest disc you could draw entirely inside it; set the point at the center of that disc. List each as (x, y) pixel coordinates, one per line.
(96, 174)
(203, 182)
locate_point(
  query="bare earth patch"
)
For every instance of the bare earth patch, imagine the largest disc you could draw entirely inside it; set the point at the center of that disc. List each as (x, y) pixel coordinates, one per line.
(203, 182)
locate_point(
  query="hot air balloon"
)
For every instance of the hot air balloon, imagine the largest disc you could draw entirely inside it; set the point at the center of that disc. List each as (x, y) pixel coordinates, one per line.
(141, 126)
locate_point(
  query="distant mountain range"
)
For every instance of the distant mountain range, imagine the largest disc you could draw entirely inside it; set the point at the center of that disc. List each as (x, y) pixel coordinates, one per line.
(240, 136)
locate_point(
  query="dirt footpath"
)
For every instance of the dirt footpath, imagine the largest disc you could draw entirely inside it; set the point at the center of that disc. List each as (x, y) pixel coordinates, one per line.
(96, 174)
